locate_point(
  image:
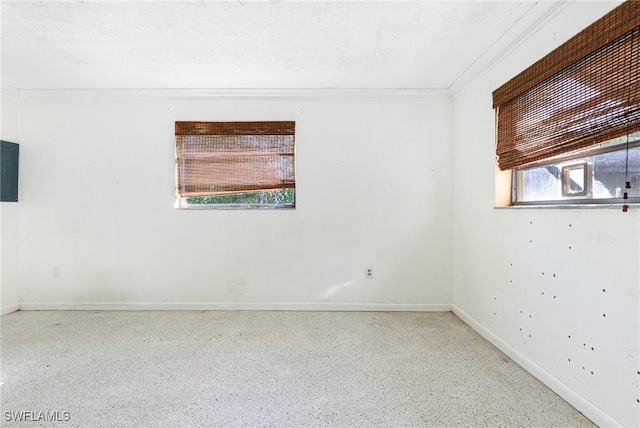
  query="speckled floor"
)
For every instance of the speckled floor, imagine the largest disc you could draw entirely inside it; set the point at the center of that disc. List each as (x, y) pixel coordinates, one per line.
(264, 369)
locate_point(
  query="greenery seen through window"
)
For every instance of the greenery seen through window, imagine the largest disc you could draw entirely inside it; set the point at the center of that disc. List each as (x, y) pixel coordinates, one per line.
(269, 197)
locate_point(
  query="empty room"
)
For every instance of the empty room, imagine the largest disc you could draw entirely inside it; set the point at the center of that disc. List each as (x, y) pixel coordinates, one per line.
(320, 213)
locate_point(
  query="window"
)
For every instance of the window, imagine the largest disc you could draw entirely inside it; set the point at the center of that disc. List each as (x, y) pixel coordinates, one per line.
(558, 121)
(575, 180)
(594, 176)
(235, 164)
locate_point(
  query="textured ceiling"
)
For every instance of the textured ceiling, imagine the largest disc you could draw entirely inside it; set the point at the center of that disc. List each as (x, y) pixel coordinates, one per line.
(242, 44)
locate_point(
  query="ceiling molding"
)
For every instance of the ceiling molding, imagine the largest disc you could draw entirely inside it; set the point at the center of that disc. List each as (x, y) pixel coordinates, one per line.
(215, 94)
(9, 91)
(539, 13)
(416, 49)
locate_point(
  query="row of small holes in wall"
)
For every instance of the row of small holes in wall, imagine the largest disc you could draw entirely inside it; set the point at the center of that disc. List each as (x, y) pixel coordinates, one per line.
(584, 345)
(531, 240)
(554, 296)
(604, 315)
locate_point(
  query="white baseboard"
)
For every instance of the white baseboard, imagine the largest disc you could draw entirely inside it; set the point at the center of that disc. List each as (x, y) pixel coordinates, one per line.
(232, 306)
(584, 406)
(9, 308)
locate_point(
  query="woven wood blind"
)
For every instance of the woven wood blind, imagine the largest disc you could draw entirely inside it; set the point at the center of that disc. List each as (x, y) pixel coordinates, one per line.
(583, 93)
(215, 158)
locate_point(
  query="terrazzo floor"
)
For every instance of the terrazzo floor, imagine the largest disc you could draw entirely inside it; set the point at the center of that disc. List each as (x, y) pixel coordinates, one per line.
(264, 369)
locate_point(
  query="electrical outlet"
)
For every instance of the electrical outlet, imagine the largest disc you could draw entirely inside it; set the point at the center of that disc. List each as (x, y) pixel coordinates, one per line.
(369, 273)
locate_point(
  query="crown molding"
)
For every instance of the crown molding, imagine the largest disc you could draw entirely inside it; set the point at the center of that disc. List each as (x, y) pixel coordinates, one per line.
(531, 21)
(9, 91)
(216, 94)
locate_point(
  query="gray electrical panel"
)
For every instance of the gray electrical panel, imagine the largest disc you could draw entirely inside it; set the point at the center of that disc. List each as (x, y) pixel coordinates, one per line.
(9, 153)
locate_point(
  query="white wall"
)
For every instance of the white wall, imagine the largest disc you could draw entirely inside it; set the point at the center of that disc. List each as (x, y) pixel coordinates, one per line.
(9, 295)
(556, 288)
(98, 222)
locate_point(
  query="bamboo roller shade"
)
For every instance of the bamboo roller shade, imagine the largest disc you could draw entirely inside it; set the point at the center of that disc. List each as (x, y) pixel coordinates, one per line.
(215, 158)
(583, 93)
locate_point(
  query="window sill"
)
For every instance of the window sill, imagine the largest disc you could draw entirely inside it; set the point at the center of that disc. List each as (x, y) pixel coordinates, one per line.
(569, 206)
(236, 207)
